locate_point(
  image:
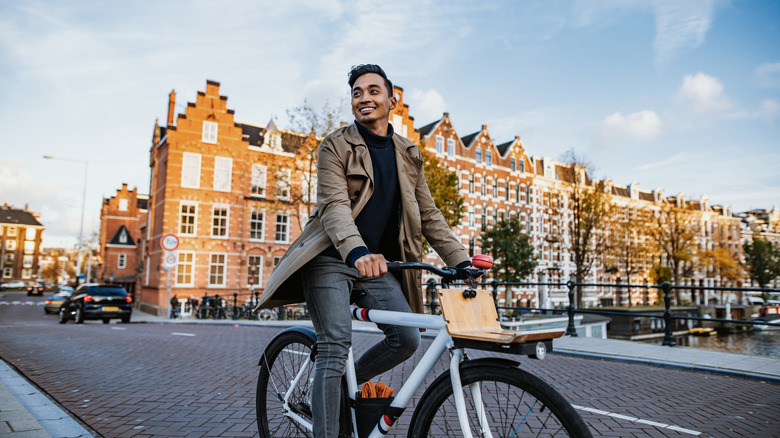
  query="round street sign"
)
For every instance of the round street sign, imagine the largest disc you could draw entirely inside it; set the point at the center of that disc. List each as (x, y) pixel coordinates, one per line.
(169, 242)
(169, 259)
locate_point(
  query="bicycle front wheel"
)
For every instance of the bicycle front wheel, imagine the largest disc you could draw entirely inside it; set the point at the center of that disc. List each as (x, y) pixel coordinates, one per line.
(283, 358)
(514, 403)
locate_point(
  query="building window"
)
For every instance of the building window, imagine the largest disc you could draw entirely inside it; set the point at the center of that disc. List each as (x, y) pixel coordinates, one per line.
(478, 157)
(257, 225)
(27, 262)
(188, 213)
(223, 172)
(472, 220)
(451, 147)
(190, 170)
(217, 266)
(309, 189)
(8, 272)
(210, 132)
(282, 234)
(488, 157)
(9, 258)
(122, 204)
(121, 261)
(483, 187)
(10, 231)
(472, 245)
(26, 273)
(185, 268)
(512, 164)
(517, 194)
(29, 247)
(123, 237)
(277, 259)
(522, 166)
(10, 245)
(471, 183)
(219, 222)
(254, 270)
(439, 144)
(495, 188)
(506, 191)
(483, 219)
(259, 173)
(283, 184)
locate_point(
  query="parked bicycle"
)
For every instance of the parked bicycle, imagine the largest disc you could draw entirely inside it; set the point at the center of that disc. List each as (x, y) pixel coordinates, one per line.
(485, 397)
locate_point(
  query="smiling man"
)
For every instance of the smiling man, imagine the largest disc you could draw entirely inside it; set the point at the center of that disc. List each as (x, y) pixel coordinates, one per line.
(373, 205)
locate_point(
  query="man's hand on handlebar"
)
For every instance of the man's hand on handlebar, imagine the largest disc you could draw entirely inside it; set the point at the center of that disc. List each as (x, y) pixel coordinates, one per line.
(371, 265)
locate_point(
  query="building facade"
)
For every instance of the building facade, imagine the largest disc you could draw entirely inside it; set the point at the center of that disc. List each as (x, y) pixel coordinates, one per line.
(20, 244)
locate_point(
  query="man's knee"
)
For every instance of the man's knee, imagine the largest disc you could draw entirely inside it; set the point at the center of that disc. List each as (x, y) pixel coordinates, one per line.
(407, 342)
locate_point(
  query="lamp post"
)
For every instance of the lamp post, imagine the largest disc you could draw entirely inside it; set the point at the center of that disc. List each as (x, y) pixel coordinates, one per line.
(83, 202)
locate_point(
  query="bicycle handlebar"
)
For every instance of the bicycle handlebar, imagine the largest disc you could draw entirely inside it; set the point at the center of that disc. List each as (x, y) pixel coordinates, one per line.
(447, 273)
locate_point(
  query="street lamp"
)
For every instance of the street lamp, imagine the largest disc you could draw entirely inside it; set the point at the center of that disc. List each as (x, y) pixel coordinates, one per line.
(83, 201)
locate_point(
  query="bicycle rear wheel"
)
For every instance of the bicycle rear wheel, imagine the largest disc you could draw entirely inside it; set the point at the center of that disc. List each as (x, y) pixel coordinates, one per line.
(283, 358)
(516, 404)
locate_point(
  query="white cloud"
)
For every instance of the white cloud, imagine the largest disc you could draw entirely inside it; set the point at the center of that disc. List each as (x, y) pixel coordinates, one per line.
(769, 108)
(768, 75)
(639, 126)
(680, 26)
(703, 93)
(428, 104)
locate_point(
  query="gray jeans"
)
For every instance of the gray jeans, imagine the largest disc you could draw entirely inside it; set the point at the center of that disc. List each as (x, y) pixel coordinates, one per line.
(330, 286)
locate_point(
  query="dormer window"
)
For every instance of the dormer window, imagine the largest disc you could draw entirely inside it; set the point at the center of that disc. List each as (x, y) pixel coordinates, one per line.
(210, 132)
(479, 156)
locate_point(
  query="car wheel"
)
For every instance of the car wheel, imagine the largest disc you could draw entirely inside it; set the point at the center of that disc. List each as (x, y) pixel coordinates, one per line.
(63, 316)
(79, 318)
(106, 320)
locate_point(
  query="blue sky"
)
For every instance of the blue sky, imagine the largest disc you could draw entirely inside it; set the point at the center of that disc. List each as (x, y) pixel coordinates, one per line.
(678, 95)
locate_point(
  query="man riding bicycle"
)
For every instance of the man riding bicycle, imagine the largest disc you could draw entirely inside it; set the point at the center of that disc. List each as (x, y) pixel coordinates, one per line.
(373, 205)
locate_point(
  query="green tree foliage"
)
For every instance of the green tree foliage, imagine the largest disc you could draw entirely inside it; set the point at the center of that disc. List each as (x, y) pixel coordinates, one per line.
(762, 259)
(512, 252)
(444, 186)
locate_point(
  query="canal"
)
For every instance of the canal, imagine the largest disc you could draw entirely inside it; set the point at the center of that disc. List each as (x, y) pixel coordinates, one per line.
(761, 343)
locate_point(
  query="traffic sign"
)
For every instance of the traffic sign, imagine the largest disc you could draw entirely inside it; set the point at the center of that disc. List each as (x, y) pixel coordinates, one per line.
(169, 242)
(169, 259)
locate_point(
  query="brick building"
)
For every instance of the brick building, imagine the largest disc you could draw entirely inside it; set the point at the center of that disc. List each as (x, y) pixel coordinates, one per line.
(237, 194)
(20, 244)
(123, 218)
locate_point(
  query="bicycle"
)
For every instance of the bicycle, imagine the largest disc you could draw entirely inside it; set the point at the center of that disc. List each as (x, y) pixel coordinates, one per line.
(485, 397)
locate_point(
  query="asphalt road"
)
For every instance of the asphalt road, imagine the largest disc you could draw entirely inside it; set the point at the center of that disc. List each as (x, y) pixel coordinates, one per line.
(199, 380)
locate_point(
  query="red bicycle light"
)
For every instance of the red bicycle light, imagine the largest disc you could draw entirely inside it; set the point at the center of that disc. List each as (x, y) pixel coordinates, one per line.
(482, 261)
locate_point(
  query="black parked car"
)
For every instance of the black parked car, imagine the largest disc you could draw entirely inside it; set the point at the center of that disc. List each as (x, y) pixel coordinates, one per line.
(97, 301)
(35, 289)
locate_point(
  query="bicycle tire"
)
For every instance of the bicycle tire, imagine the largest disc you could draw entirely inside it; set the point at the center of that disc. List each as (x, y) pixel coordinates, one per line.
(282, 360)
(517, 403)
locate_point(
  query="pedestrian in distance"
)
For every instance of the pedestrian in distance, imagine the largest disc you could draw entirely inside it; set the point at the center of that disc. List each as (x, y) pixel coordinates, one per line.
(373, 205)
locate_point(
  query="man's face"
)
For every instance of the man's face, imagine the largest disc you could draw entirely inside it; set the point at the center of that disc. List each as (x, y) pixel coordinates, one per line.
(371, 100)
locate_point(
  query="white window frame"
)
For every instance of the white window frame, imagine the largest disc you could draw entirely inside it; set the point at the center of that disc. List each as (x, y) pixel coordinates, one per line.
(488, 157)
(439, 144)
(221, 266)
(29, 233)
(223, 174)
(121, 261)
(210, 131)
(10, 245)
(283, 180)
(29, 247)
(186, 259)
(450, 147)
(26, 273)
(252, 221)
(259, 180)
(27, 261)
(478, 156)
(8, 272)
(286, 224)
(259, 274)
(190, 170)
(123, 204)
(194, 232)
(227, 221)
(10, 231)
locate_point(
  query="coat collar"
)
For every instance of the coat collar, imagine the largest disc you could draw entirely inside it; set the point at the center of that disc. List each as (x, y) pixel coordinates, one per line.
(353, 137)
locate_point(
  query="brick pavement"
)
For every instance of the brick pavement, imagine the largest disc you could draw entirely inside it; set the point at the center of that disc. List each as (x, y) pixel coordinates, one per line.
(143, 380)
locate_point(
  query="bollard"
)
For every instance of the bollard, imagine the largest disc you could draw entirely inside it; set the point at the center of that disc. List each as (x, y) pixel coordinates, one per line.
(570, 330)
(217, 306)
(204, 303)
(235, 305)
(668, 339)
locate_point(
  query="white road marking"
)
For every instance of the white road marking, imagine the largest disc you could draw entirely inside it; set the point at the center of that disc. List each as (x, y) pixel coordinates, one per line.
(182, 334)
(638, 420)
(118, 328)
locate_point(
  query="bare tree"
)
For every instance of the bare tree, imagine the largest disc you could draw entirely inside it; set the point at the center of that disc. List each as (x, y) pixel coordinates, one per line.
(588, 203)
(628, 247)
(674, 238)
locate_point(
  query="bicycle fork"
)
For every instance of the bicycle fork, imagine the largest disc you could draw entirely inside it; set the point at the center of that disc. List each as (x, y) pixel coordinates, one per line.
(460, 401)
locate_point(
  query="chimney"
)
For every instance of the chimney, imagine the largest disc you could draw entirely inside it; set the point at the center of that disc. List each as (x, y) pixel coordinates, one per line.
(171, 106)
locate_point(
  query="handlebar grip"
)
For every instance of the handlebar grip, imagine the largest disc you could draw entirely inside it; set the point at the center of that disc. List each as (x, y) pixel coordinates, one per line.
(394, 267)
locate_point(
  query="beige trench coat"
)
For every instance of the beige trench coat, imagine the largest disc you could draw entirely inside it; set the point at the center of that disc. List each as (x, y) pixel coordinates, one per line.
(344, 185)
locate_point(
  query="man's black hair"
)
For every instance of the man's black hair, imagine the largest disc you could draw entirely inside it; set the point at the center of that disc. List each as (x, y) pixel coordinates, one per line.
(359, 70)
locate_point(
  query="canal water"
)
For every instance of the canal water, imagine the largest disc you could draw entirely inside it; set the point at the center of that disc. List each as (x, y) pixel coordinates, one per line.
(761, 343)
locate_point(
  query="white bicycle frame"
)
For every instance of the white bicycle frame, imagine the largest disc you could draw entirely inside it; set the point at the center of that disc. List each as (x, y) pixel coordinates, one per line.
(441, 343)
